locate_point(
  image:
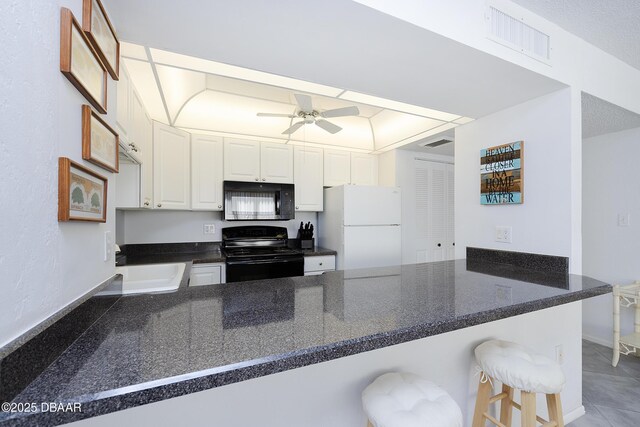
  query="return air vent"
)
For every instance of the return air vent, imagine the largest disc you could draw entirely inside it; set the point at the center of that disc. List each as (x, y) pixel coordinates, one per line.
(436, 143)
(516, 34)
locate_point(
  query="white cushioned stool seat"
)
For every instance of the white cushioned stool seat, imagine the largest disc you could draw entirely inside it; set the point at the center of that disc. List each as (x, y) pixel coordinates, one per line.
(518, 367)
(406, 400)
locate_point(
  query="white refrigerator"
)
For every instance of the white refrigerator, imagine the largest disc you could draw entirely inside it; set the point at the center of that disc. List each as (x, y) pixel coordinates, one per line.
(362, 224)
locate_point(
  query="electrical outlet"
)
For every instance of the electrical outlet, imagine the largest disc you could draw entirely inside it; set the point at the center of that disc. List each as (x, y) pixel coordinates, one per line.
(560, 354)
(209, 229)
(503, 234)
(108, 245)
(624, 219)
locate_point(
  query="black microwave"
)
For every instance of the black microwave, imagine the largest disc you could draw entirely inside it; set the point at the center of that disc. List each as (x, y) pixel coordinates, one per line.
(248, 201)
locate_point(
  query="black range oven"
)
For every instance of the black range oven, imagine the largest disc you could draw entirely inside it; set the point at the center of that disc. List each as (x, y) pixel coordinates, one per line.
(259, 252)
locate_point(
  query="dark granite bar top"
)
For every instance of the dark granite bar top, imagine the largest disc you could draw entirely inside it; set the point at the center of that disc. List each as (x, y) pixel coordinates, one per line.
(152, 347)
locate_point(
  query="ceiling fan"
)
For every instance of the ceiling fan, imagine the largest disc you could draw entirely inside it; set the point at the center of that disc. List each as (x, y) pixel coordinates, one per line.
(309, 115)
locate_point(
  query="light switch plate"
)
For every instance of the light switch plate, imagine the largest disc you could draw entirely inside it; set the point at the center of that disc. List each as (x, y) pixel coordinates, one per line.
(108, 245)
(624, 219)
(503, 234)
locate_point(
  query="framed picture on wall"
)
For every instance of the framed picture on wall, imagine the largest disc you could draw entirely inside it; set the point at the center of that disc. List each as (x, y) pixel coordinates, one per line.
(98, 28)
(80, 63)
(99, 141)
(82, 193)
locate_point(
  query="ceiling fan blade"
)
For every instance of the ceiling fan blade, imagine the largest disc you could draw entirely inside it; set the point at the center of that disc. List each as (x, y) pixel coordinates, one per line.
(341, 112)
(291, 116)
(293, 128)
(328, 126)
(304, 102)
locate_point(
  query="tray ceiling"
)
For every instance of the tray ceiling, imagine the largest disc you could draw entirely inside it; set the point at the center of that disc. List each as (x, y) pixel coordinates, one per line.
(205, 96)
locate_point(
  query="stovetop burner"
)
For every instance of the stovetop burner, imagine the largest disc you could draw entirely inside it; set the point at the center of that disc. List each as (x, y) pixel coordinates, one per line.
(259, 251)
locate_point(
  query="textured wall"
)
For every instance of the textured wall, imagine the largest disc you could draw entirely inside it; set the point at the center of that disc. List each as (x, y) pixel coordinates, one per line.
(610, 252)
(43, 265)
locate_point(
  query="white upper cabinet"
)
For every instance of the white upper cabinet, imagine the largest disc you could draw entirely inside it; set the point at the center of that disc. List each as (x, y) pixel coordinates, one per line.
(206, 172)
(249, 160)
(171, 168)
(123, 104)
(337, 168)
(308, 178)
(364, 169)
(343, 167)
(141, 136)
(241, 160)
(276, 163)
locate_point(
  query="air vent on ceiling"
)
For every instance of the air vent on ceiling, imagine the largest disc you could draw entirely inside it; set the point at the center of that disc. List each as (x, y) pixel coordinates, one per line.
(516, 34)
(437, 143)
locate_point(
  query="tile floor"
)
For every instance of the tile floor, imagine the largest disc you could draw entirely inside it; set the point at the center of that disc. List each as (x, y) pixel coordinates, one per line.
(611, 396)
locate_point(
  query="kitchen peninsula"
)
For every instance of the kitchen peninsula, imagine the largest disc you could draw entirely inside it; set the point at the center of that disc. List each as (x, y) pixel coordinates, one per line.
(251, 336)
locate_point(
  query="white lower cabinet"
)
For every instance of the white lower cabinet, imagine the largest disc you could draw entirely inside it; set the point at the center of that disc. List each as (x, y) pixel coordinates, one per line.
(207, 274)
(314, 265)
(308, 178)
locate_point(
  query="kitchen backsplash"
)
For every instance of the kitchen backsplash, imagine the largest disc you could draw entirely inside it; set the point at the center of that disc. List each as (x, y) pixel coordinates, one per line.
(186, 226)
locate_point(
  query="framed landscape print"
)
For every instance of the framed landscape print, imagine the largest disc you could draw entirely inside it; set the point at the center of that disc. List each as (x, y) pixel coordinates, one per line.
(80, 63)
(82, 193)
(501, 174)
(99, 141)
(101, 34)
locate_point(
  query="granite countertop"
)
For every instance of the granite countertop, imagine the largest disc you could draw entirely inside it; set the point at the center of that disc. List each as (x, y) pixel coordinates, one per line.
(199, 257)
(151, 347)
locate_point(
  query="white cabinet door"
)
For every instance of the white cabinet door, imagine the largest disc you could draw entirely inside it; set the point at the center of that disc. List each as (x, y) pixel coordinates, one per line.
(140, 135)
(364, 169)
(171, 168)
(206, 172)
(276, 163)
(241, 160)
(308, 172)
(123, 103)
(337, 168)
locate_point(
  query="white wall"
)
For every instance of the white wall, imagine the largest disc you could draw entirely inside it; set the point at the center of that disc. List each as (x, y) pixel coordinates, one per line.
(301, 397)
(44, 265)
(185, 226)
(542, 224)
(573, 61)
(610, 252)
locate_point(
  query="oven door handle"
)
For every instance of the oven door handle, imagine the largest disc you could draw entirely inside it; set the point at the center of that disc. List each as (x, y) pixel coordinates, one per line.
(266, 261)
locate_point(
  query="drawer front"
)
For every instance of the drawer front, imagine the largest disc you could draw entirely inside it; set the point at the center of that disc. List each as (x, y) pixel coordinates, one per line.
(319, 263)
(205, 275)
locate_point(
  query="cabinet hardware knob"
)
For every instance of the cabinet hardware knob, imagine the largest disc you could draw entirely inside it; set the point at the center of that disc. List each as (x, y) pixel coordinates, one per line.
(439, 244)
(256, 179)
(297, 207)
(320, 264)
(454, 243)
(159, 205)
(263, 179)
(219, 206)
(146, 203)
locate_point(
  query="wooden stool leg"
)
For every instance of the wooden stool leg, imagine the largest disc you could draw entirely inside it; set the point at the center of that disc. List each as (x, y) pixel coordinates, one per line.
(506, 409)
(369, 424)
(482, 402)
(528, 411)
(555, 409)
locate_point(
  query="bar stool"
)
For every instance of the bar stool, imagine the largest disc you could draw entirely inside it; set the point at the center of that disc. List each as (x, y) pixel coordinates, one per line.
(406, 400)
(517, 368)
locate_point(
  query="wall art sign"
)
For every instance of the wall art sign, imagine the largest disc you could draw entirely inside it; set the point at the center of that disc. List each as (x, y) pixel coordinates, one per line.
(82, 193)
(98, 28)
(80, 63)
(501, 174)
(99, 141)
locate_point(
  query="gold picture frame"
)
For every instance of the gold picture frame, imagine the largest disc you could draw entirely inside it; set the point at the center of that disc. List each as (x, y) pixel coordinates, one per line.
(80, 63)
(100, 143)
(82, 193)
(97, 26)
